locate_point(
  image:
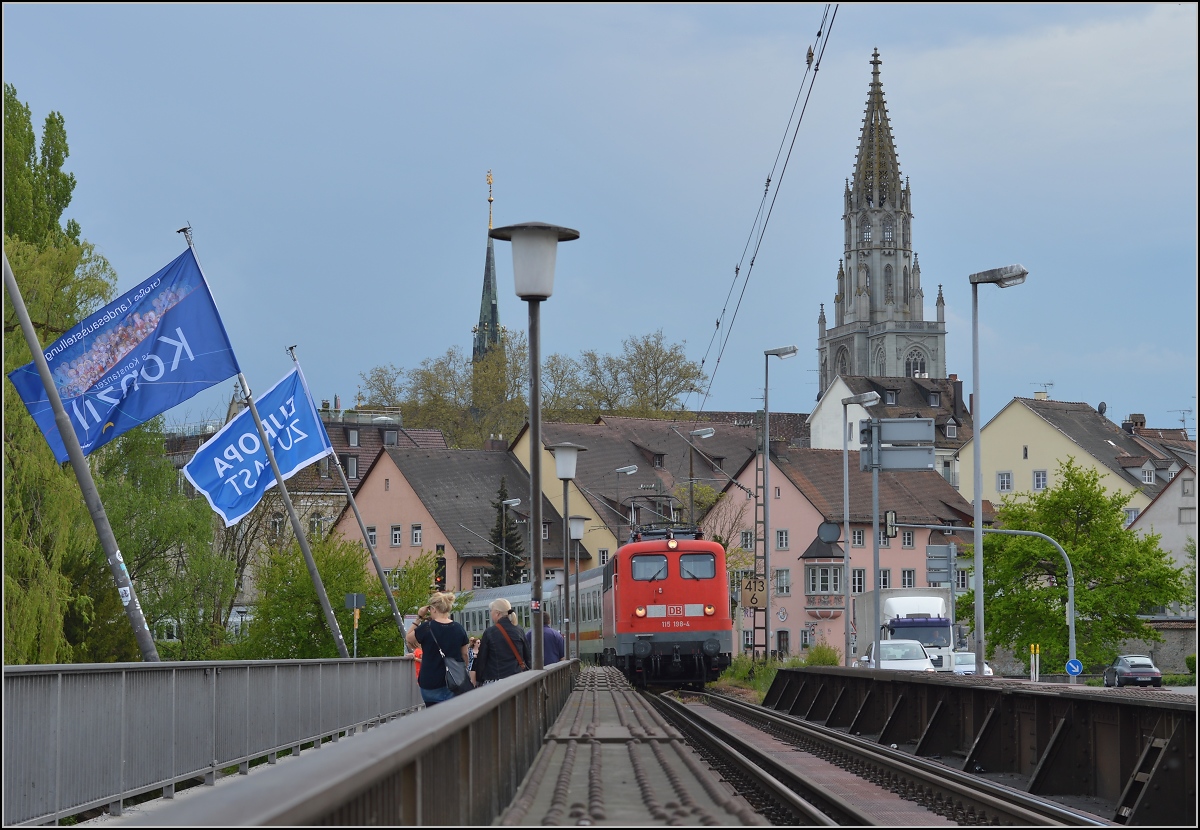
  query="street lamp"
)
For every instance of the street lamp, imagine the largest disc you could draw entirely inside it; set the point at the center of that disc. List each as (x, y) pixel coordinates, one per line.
(535, 247)
(865, 399)
(566, 455)
(576, 523)
(705, 432)
(783, 353)
(630, 470)
(504, 505)
(1004, 277)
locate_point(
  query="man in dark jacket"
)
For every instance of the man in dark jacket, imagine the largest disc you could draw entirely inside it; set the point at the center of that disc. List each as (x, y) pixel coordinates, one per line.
(503, 651)
(554, 645)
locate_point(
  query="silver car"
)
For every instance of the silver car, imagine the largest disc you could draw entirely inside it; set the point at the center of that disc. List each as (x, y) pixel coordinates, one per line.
(964, 663)
(905, 655)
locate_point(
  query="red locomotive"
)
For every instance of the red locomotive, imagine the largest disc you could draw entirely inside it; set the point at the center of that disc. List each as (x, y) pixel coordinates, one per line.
(666, 616)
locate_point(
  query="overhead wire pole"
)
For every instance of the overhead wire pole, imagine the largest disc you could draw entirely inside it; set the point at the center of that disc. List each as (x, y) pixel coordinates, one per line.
(83, 474)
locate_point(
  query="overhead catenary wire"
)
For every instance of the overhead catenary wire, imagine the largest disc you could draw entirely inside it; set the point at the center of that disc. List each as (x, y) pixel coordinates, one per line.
(722, 330)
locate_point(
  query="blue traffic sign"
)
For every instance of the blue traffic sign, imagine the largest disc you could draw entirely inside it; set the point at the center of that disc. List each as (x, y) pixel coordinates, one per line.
(1074, 668)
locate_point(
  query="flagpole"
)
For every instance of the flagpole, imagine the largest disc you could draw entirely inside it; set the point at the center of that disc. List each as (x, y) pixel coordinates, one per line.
(83, 473)
(387, 588)
(296, 528)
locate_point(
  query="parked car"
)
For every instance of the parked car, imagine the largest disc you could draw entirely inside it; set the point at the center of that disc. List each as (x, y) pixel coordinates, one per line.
(905, 655)
(964, 663)
(1132, 669)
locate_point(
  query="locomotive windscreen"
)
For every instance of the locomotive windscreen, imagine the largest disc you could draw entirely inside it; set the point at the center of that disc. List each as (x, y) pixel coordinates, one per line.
(697, 566)
(648, 567)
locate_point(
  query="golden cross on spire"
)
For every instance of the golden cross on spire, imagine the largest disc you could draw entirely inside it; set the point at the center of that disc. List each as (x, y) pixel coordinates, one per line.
(489, 181)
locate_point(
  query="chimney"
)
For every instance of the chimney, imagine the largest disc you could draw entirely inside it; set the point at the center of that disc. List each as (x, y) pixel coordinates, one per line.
(958, 401)
(1139, 420)
(1040, 395)
(324, 404)
(1127, 425)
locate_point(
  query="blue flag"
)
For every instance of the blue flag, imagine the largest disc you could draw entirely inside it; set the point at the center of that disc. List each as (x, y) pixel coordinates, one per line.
(151, 349)
(231, 469)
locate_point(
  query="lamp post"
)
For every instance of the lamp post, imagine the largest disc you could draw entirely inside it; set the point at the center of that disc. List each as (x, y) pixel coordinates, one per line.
(705, 432)
(566, 455)
(1004, 277)
(783, 353)
(576, 523)
(504, 505)
(630, 470)
(865, 399)
(535, 247)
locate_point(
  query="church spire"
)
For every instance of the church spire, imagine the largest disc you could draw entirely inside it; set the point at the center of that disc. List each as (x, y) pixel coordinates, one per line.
(487, 332)
(877, 169)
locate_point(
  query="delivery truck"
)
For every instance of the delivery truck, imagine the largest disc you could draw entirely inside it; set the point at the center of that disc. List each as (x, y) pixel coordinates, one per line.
(922, 614)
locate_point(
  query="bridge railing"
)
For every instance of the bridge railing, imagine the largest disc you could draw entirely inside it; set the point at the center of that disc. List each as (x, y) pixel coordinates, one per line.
(459, 763)
(77, 737)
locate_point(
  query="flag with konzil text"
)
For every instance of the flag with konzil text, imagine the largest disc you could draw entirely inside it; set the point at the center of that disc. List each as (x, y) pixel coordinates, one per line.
(232, 470)
(149, 350)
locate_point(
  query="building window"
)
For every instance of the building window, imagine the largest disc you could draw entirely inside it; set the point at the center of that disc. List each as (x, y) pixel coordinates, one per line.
(914, 364)
(889, 397)
(371, 537)
(781, 540)
(1148, 476)
(888, 229)
(387, 484)
(935, 399)
(826, 580)
(1187, 515)
(962, 580)
(908, 578)
(858, 580)
(856, 538)
(906, 539)
(390, 437)
(1171, 475)
(323, 466)
(352, 437)
(885, 578)
(783, 582)
(747, 540)
(416, 536)
(524, 575)
(314, 525)
(550, 572)
(1025, 453)
(545, 530)
(951, 429)
(1131, 514)
(747, 638)
(1189, 486)
(806, 637)
(477, 578)
(1004, 482)
(658, 459)
(350, 465)
(717, 463)
(866, 231)
(883, 539)
(1039, 480)
(603, 556)
(277, 524)
(397, 535)
(776, 492)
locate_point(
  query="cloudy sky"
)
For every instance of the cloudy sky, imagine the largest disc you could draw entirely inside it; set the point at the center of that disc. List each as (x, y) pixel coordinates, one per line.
(332, 160)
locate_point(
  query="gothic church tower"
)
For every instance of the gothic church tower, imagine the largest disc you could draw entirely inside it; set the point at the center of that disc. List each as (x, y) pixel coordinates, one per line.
(487, 332)
(879, 327)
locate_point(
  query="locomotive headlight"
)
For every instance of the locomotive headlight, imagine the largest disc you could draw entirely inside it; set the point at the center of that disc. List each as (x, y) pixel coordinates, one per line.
(709, 610)
(640, 611)
(672, 544)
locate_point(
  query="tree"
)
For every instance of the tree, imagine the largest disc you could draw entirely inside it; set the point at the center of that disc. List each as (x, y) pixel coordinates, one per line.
(36, 189)
(507, 559)
(1118, 574)
(381, 386)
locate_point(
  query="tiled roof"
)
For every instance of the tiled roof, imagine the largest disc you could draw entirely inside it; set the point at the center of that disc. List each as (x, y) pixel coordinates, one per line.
(912, 401)
(790, 427)
(919, 497)
(1099, 437)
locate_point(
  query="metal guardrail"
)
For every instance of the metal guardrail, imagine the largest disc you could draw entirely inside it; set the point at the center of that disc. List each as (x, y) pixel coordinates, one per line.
(77, 737)
(457, 764)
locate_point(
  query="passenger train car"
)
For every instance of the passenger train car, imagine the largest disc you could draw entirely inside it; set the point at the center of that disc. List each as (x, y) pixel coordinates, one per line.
(658, 610)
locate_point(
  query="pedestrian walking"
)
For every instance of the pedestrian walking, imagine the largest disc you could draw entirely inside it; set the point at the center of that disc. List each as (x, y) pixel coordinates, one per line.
(503, 651)
(554, 646)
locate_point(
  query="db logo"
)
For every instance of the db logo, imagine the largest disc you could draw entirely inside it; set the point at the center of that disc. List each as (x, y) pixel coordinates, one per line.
(674, 610)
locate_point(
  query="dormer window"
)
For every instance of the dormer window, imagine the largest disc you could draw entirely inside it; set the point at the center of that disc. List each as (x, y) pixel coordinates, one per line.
(951, 429)
(935, 399)
(1148, 476)
(390, 437)
(718, 462)
(889, 397)
(658, 459)
(352, 437)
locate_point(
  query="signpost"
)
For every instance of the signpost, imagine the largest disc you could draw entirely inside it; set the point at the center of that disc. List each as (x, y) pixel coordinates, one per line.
(754, 592)
(356, 602)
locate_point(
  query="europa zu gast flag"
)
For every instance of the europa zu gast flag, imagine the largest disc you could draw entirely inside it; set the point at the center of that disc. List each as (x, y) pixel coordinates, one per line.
(152, 348)
(232, 470)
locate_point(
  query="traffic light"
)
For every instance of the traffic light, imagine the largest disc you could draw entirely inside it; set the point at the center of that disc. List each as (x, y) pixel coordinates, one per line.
(864, 432)
(439, 575)
(889, 519)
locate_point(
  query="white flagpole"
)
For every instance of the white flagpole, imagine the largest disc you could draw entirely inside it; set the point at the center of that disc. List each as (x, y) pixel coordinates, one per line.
(387, 589)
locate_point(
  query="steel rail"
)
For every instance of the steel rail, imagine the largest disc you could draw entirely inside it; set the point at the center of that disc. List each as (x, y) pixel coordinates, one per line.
(810, 805)
(942, 789)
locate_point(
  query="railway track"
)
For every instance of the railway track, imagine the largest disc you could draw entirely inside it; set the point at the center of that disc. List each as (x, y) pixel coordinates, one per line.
(744, 743)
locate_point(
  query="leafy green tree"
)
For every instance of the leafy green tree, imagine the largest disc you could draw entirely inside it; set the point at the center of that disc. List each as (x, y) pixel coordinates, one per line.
(36, 189)
(504, 569)
(1118, 574)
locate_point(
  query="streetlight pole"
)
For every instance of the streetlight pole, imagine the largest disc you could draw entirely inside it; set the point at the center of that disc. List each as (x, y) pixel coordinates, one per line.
(576, 535)
(783, 352)
(629, 470)
(535, 247)
(1004, 277)
(504, 505)
(566, 455)
(866, 399)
